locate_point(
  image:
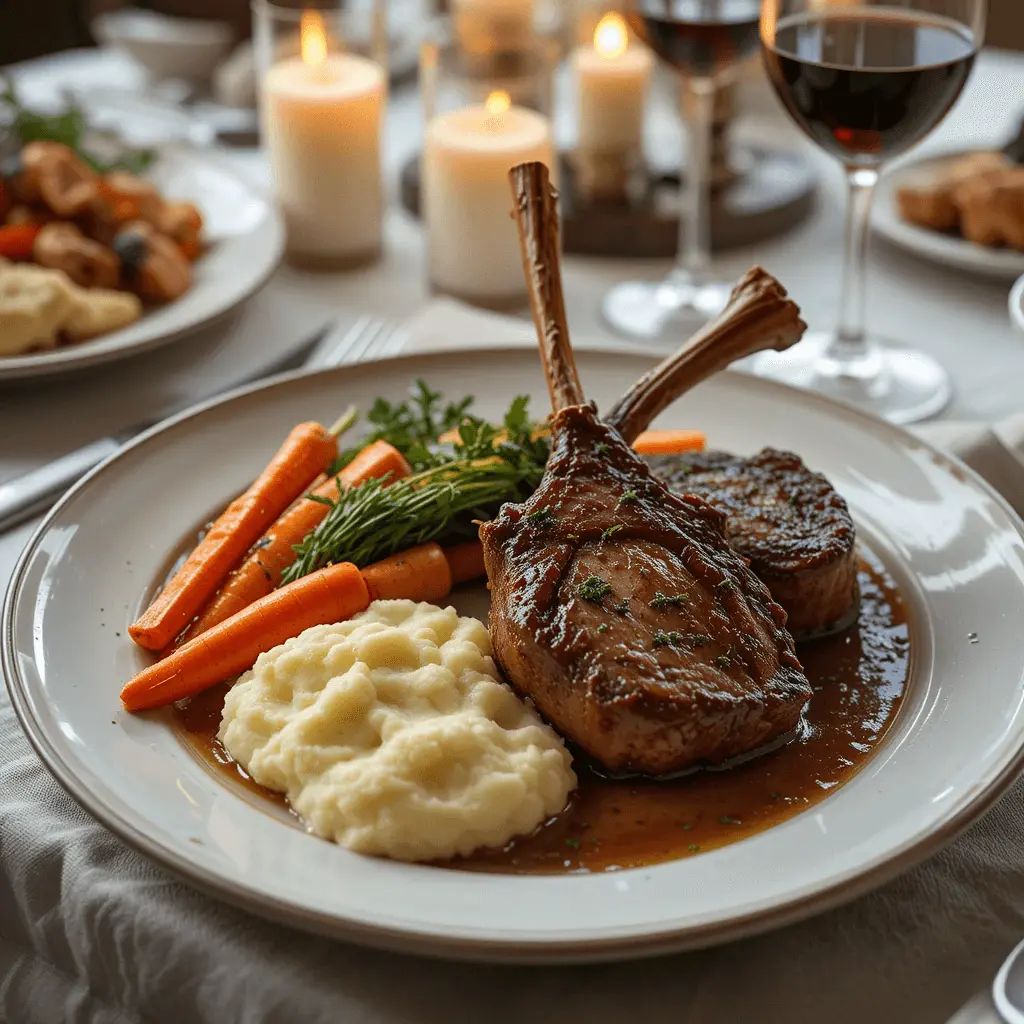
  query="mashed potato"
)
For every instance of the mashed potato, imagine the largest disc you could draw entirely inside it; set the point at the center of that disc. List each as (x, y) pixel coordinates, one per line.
(391, 734)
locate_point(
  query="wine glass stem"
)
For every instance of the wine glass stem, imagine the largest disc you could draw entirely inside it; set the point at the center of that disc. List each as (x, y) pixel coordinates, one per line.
(850, 344)
(695, 224)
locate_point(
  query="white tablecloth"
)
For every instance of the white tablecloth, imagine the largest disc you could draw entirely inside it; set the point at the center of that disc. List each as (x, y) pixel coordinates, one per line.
(91, 932)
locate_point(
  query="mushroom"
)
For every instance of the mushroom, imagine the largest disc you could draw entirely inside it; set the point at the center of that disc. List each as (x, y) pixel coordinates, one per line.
(152, 265)
(55, 175)
(61, 246)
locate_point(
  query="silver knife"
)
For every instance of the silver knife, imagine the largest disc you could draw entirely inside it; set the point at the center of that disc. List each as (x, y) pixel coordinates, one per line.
(27, 495)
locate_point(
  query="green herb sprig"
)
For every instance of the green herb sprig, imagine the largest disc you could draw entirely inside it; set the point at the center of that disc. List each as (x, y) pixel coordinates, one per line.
(485, 468)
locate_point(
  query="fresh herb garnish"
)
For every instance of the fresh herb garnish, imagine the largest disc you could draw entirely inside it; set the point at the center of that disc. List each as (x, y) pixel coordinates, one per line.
(661, 600)
(603, 628)
(594, 589)
(543, 517)
(574, 843)
(22, 125)
(611, 531)
(629, 497)
(727, 586)
(445, 499)
(693, 847)
(663, 639)
(723, 661)
(622, 607)
(699, 639)
(600, 448)
(726, 820)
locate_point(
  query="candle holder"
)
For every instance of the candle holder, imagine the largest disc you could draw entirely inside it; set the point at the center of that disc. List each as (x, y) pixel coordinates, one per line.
(322, 74)
(482, 117)
(611, 77)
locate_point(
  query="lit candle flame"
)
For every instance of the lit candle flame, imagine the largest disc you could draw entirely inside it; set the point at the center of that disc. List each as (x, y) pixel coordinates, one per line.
(498, 102)
(611, 37)
(312, 38)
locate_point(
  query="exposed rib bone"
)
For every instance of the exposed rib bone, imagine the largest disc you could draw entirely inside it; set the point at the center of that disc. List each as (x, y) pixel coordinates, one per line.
(758, 317)
(536, 216)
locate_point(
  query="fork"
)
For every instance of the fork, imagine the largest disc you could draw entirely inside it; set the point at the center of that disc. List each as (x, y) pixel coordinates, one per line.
(35, 491)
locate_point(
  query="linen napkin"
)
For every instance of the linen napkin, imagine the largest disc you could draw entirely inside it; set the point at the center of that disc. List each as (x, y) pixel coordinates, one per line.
(92, 933)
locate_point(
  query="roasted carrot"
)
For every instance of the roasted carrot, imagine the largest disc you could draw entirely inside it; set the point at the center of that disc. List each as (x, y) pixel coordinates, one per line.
(306, 453)
(16, 240)
(466, 561)
(419, 574)
(273, 552)
(327, 595)
(668, 442)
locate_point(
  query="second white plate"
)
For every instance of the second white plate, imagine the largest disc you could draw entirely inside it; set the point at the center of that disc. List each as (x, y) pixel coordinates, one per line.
(951, 250)
(245, 238)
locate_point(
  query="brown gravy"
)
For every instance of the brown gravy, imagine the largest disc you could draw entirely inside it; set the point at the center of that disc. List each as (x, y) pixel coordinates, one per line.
(858, 677)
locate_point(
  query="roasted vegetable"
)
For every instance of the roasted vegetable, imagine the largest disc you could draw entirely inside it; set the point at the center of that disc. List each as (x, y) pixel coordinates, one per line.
(61, 246)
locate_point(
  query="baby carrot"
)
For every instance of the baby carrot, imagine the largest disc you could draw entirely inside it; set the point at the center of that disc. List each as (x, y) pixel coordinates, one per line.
(306, 453)
(466, 561)
(274, 551)
(419, 574)
(668, 442)
(232, 646)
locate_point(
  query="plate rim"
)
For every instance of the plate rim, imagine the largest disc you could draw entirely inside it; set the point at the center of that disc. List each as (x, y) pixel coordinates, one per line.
(70, 358)
(483, 949)
(978, 260)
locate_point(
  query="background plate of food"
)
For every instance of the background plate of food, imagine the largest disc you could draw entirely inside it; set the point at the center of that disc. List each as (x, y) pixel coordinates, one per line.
(105, 254)
(466, 826)
(965, 210)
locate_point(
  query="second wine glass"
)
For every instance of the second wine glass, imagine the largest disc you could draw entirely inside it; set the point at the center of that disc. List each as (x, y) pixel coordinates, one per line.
(704, 40)
(866, 80)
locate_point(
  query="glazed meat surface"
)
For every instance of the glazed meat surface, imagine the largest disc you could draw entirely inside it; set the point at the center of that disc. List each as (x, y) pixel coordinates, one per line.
(789, 522)
(620, 608)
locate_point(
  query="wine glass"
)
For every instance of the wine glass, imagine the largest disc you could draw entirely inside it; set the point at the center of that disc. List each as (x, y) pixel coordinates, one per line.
(866, 79)
(705, 40)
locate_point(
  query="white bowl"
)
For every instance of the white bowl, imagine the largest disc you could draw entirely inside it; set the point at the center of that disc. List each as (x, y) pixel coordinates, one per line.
(1017, 304)
(183, 48)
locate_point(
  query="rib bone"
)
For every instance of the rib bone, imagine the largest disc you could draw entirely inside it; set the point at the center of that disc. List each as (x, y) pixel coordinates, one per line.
(759, 316)
(536, 214)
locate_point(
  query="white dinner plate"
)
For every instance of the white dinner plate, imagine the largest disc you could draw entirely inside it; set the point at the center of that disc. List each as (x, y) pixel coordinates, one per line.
(953, 251)
(245, 238)
(951, 543)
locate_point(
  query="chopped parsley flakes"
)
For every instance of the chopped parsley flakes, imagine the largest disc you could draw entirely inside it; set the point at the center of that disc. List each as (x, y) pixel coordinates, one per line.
(663, 639)
(543, 517)
(593, 588)
(611, 531)
(629, 497)
(622, 607)
(661, 600)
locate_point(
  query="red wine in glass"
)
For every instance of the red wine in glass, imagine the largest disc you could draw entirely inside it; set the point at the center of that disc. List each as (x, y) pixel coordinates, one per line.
(699, 37)
(867, 86)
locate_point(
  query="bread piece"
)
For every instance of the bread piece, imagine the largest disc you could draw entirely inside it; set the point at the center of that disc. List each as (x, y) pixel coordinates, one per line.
(991, 209)
(33, 305)
(928, 200)
(99, 311)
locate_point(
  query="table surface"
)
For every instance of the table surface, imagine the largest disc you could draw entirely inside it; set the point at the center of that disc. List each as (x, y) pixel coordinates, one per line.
(962, 321)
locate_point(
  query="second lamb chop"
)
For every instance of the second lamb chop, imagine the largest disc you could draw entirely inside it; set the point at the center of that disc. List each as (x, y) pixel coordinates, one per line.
(617, 605)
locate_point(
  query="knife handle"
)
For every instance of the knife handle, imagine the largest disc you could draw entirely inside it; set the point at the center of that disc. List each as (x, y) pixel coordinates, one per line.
(34, 492)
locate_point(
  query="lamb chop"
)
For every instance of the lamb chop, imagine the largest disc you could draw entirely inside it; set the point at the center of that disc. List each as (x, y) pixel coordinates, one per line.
(616, 605)
(790, 524)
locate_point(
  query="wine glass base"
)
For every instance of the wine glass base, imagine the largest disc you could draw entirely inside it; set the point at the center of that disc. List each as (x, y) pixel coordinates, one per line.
(651, 310)
(896, 383)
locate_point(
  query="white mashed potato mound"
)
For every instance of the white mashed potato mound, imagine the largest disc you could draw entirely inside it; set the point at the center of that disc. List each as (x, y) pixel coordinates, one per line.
(392, 734)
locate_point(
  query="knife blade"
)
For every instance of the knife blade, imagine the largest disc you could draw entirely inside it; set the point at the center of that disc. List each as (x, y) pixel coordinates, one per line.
(32, 493)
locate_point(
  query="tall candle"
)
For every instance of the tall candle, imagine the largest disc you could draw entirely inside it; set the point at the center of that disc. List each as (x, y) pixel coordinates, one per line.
(473, 248)
(613, 77)
(322, 125)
